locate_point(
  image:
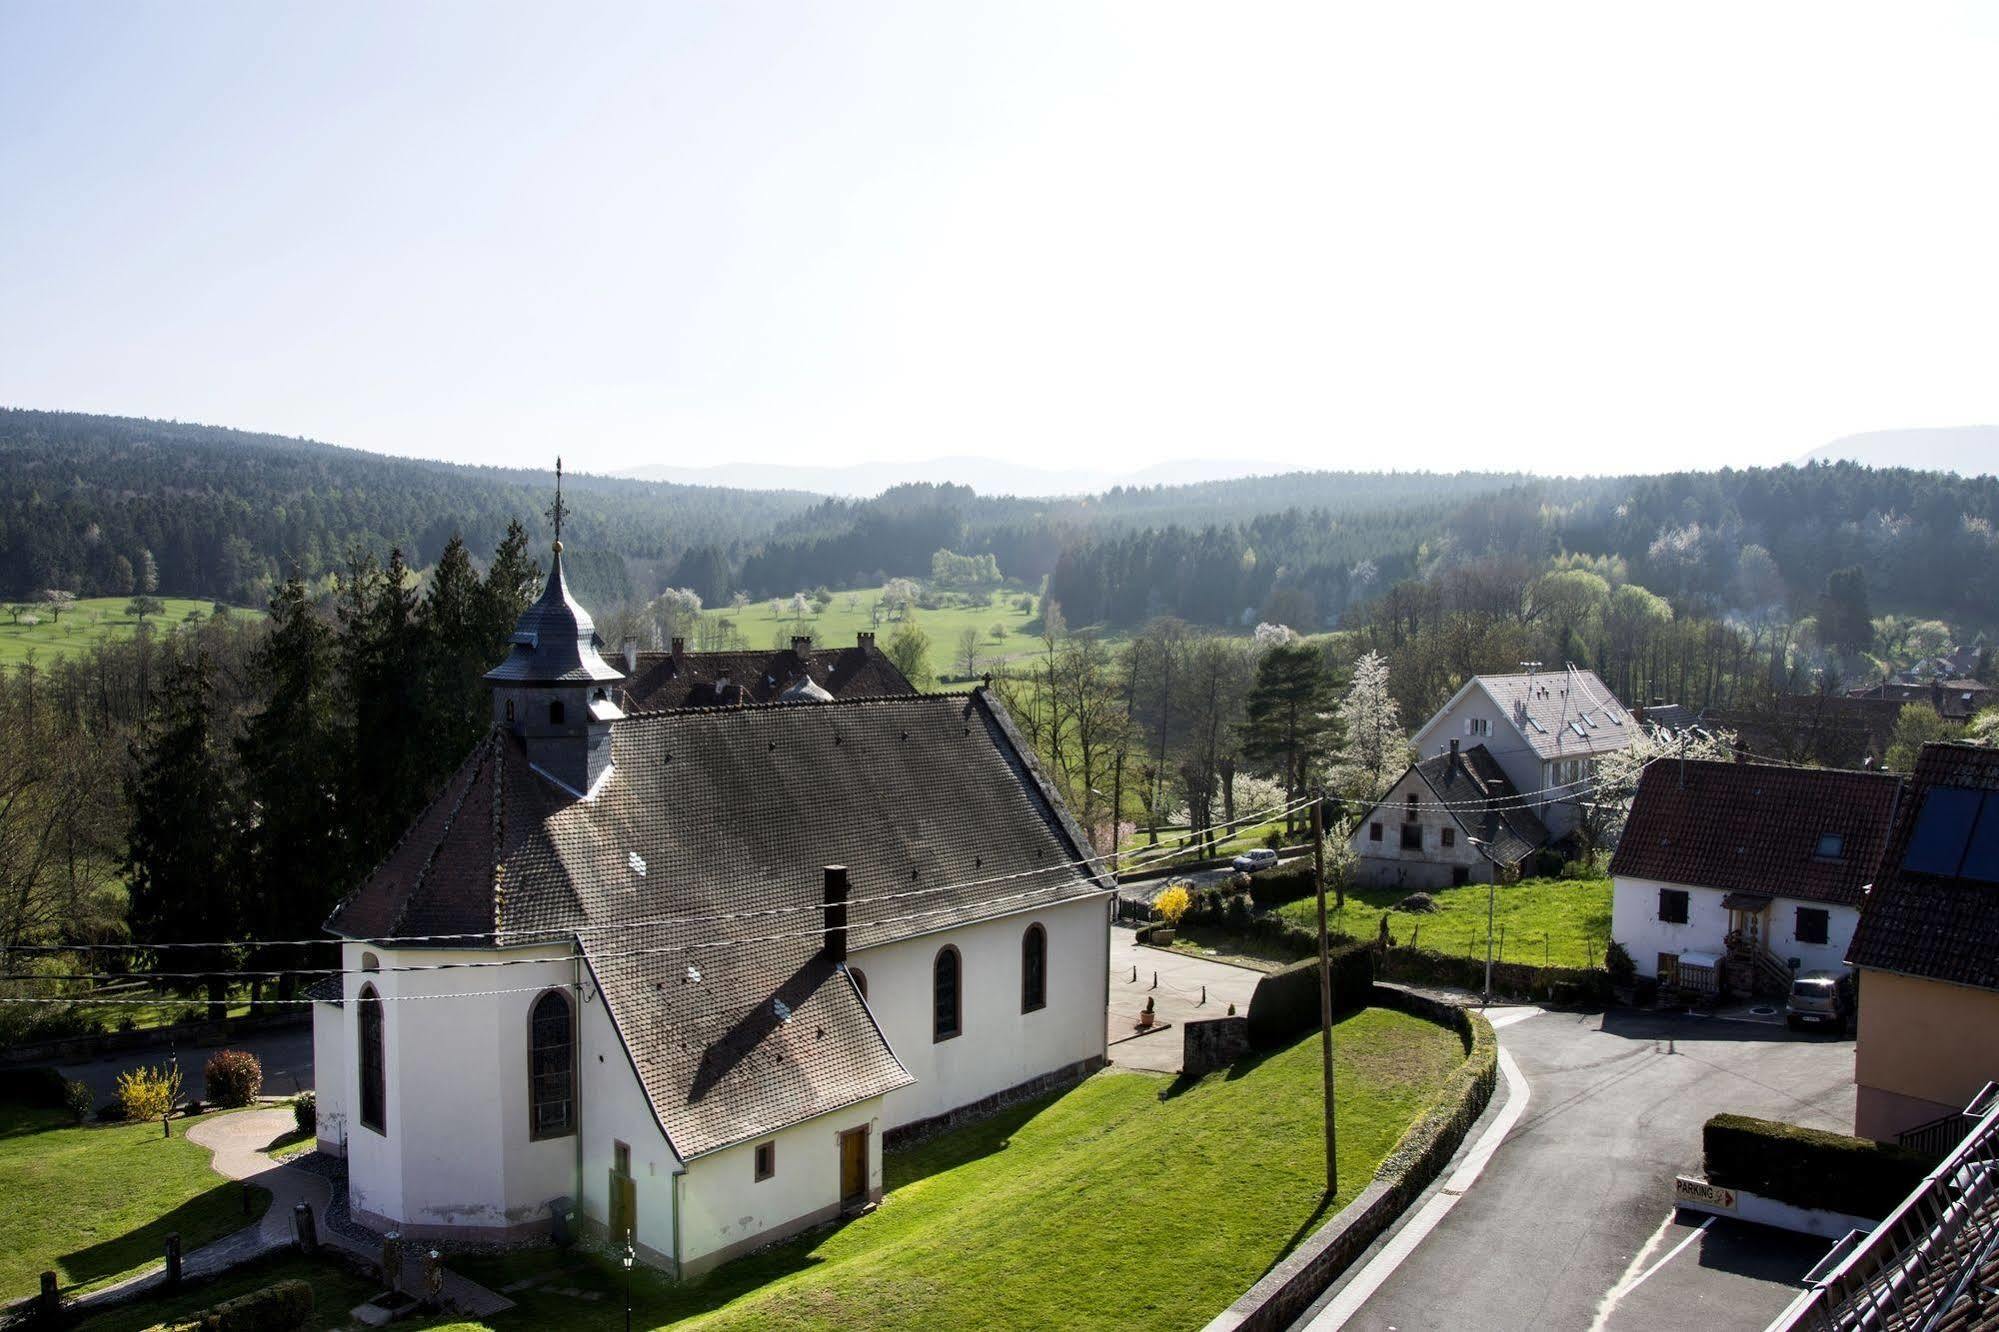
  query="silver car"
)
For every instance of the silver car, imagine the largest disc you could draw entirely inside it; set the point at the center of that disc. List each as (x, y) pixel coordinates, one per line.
(1251, 861)
(1819, 997)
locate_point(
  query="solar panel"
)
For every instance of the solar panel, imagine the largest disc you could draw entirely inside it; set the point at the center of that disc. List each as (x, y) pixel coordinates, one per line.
(1981, 857)
(1943, 830)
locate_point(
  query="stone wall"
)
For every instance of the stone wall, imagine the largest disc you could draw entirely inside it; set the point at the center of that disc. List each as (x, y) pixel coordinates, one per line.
(1209, 1044)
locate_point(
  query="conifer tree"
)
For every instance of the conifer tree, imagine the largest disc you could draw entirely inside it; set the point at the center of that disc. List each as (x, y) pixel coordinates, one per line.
(1289, 714)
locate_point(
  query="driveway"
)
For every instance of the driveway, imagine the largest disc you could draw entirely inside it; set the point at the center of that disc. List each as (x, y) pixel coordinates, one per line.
(285, 1053)
(1180, 986)
(1570, 1225)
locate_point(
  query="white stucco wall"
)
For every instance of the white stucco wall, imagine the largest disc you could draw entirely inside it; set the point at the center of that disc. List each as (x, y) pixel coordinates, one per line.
(998, 1046)
(330, 1060)
(614, 1109)
(1386, 864)
(455, 1151)
(728, 1209)
(1635, 923)
(1530, 774)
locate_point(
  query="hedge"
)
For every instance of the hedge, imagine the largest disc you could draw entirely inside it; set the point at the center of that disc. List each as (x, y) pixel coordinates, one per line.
(1569, 985)
(1809, 1167)
(1285, 1003)
(40, 1087)
(1274, 887)
(278, 1308)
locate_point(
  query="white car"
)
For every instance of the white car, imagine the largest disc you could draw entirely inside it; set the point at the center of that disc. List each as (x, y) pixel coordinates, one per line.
(1249, 862)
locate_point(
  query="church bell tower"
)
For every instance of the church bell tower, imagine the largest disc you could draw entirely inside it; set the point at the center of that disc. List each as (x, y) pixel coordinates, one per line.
(554, 690)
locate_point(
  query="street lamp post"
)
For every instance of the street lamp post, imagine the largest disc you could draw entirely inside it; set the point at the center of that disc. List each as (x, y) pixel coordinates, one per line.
(1491, 896)
(628, 1256)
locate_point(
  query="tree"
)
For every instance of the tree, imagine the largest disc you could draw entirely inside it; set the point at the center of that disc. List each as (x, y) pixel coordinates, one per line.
(968, 651)
(1614, 776)
(182, 834)
(58, 601)
(1917, 725)
(909, 649)
(141, 606)
(1376, 750)
(997, 633)
(381, 704)
(1844, 619)
(1289, 714)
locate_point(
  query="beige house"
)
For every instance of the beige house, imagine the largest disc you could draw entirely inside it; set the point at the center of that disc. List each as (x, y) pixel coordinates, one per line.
(1451, 819)
(1928, 949)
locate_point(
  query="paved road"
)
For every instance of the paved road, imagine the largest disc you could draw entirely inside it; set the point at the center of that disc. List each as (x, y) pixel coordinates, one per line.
(286, 1055)
(1574, 1205)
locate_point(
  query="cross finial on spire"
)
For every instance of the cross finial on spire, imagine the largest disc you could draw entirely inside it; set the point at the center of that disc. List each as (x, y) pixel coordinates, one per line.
(558, 510)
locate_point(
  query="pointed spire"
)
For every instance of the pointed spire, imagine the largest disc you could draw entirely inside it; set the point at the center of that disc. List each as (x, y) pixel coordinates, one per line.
(557, 511)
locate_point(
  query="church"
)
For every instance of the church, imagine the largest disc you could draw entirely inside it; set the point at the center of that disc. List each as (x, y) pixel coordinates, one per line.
(678, 975)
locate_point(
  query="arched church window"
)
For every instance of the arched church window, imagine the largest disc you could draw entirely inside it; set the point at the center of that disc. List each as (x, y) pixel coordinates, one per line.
(1033, 969)
(946, 994)
(374, 1082)
(551, 1067)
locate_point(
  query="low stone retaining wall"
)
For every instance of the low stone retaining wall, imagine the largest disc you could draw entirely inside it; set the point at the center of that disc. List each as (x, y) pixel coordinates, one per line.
(1289, 1288)
(986, 1106)
(78, 1049)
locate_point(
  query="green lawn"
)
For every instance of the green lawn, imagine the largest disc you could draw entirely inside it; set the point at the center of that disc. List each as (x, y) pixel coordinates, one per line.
(1132, 1199)
(1558, 922)
(840, 623)
(98, 1201)
(90, 621)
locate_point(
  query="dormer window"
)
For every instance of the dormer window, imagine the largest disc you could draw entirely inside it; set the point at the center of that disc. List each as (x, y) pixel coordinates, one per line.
(555, 713)
(1831, 846)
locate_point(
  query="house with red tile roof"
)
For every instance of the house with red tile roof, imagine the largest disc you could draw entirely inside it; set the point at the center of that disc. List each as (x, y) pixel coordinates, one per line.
(1736, 877)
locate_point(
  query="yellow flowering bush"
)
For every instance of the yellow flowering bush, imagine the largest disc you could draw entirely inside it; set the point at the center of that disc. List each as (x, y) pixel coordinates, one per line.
(148, 1093)
(1172, 904)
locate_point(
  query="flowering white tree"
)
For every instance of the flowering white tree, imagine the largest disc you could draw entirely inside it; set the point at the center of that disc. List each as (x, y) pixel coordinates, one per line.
(673, 614)
(1376, 751)
(1274, 635)
(1606, 801)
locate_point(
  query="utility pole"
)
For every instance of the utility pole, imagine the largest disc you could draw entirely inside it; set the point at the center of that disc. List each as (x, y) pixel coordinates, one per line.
(1325, 988)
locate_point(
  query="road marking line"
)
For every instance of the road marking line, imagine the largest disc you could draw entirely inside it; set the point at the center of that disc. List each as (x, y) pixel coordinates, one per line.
(1370, 1278)
(1517, 1015)
(1628, 1283)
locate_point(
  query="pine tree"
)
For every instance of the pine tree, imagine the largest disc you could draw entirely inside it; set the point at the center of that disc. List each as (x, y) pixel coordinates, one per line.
(513, 581)
(459, 647)
(179, 859)
(292, 845)
(1289, 714)
(381, 703)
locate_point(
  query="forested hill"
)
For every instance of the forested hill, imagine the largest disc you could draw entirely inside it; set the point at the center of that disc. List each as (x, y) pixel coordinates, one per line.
(86, 502)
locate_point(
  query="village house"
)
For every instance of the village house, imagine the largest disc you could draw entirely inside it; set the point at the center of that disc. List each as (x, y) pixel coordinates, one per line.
(676, 975)
(1928, 949)
(1453, 818)
(1545, 730)
(677, 678)
(1736, 877)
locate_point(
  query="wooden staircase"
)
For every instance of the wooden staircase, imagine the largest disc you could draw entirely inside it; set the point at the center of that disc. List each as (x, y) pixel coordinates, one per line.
(1754, 969)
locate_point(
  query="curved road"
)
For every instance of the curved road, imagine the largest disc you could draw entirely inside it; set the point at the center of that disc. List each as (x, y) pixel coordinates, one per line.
(1570, 1224)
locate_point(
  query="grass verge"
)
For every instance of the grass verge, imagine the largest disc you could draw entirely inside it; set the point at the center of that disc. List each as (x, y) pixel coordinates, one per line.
(1539, 922)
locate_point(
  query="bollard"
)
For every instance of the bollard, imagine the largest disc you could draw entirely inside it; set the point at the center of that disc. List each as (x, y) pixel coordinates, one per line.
(49, 1305)
(1155, 980)
(1134, 972)
(303, 1228)
(433, 1275)
(173, 1259)
(1204, 996)
(392, 1261)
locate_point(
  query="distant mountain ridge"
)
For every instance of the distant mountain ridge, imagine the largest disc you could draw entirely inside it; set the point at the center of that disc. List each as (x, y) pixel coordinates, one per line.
(987, 476)
(1965, 450)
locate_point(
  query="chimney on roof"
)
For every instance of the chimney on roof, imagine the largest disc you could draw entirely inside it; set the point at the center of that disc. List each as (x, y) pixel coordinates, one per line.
(801, 644)
(1454, 749)
(630, 650)
(679, 648)
(866, 638)
(836, 913)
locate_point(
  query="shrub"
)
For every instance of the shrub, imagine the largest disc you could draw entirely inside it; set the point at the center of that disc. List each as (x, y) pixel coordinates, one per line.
(1274, 839)
(1617, 961)
(1237, 915)
(276, 1308)
(41, 1087)
(78, 1100)
(232, 1077)
(148, 1093)
(1285, 1003)
(1425, 966)
(1809, 1167)
(305, 1112)
(1173, 903)
(1275, 887)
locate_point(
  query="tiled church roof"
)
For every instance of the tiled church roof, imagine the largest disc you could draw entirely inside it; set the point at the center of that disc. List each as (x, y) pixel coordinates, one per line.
(694, 679)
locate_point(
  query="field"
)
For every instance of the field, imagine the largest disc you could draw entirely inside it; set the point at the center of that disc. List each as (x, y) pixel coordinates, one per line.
(97, 1201)
(1543, 922)
(850, 615)
(89, 622)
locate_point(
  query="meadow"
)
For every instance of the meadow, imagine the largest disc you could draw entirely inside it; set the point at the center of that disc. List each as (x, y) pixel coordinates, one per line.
(28, 632)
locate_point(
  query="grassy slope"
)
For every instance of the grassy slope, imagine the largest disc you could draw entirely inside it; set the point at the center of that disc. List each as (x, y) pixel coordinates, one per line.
(335, 1290)
(92, 621)
(98, 1201)
(1130, 1200)
(1564, 921)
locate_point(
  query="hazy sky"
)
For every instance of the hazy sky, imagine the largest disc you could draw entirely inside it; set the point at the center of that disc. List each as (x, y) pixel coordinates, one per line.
(1550, 236)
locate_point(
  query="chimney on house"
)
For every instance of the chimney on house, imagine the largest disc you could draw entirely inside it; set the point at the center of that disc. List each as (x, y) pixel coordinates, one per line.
(800, 645)
(679, 648)
(630, 650)
(836, 913)
(866, 638)
(1454, 749)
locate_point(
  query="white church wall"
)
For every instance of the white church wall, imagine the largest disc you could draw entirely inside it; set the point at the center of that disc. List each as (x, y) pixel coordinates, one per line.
(333, 1070)
(614, 1109)
(728, 1210)
(998, 1046)
(456, 1151)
